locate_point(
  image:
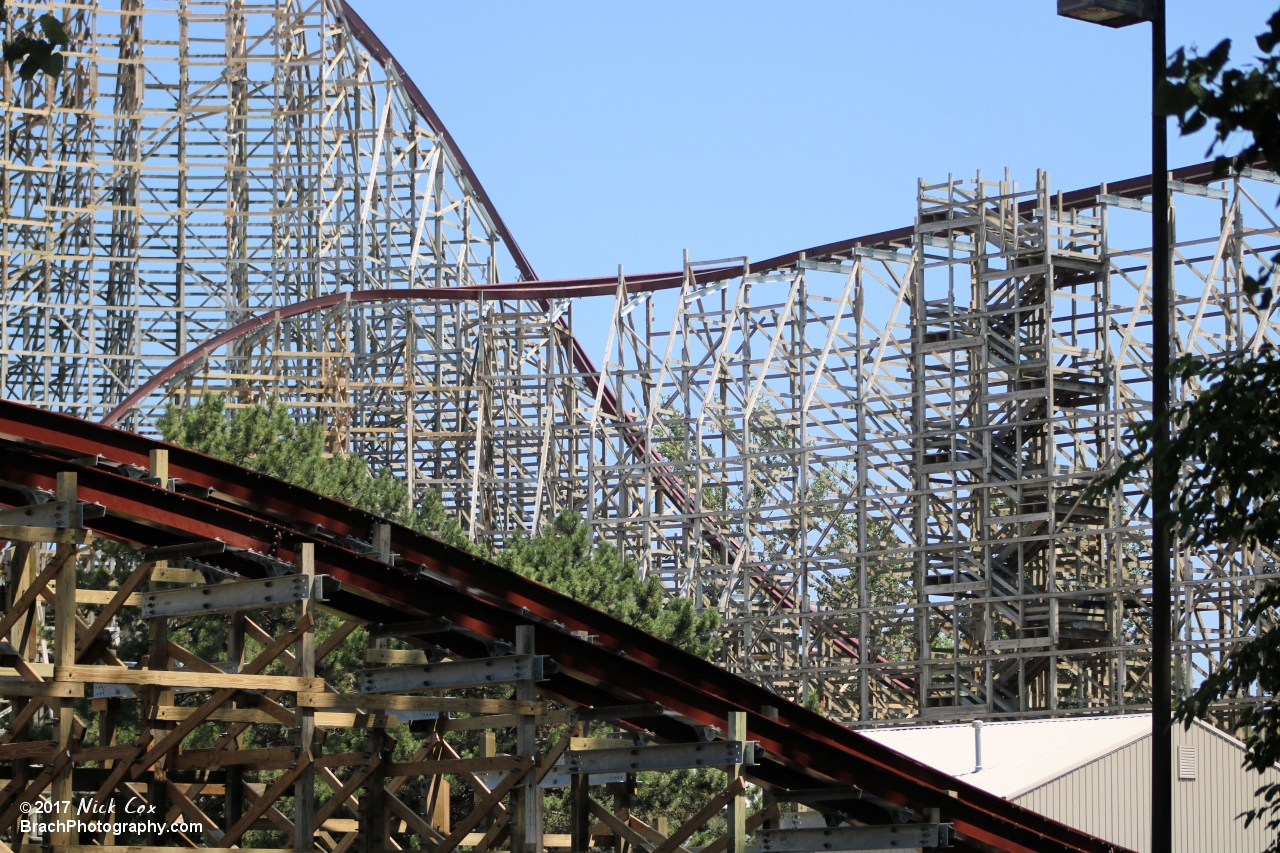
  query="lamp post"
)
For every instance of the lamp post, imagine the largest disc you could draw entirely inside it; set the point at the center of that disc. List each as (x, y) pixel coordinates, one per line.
(1122, 13)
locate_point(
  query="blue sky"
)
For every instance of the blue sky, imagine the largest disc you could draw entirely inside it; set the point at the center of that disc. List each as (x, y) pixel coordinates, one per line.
(612, 133)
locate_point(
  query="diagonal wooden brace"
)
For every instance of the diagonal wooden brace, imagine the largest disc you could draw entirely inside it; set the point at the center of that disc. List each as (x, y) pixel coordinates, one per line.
(131, 583)
(621, 828)
(34, 789)
(218, 699)
(479, 812)
(281, 786)
(704, 814)
(753, 823)
(179, 733)
(31, 593)
(344, 792)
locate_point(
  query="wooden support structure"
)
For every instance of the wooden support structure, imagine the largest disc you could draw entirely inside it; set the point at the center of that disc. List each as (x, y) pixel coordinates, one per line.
(194, 769)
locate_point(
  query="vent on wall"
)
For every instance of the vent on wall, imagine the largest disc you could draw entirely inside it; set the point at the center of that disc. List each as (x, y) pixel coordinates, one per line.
(1186, 763)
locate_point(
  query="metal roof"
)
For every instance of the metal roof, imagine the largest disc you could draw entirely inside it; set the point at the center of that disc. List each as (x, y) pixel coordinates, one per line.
(1017, 756)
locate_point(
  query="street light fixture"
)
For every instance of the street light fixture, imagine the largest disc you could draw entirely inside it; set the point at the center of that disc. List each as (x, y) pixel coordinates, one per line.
(1122, 13)
(1109, 13)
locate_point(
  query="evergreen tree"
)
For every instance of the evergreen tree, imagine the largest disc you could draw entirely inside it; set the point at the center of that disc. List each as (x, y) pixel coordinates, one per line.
(267, 439)
(561, 557)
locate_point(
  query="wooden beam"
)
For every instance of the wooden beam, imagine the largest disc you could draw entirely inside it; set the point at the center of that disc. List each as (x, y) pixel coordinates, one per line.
(304, 663)
(208, 826)
(33, 790)
(420, 703)
(477, 814)
(58, 535)
(336, 638)
(700, 817)
(31, 593)
(415, 823)
(45, 689)
(258, 808)
(335, 719)
(180, 732)
(462, 765)
(621, 828)
(118, 601)
(753, 823)
(343, 793)
(183, 678)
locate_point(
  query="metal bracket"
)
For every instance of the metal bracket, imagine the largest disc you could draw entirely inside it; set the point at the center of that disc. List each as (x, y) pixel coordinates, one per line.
(463, 673)
(227, 597)
(557, 778)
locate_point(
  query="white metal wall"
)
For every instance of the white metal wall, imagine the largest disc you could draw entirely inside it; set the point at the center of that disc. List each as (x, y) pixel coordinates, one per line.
(1110, 797)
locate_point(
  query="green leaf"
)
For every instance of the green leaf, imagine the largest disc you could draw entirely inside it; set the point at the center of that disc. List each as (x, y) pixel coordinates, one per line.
(38, 53)
(53, 30)
(52, 65)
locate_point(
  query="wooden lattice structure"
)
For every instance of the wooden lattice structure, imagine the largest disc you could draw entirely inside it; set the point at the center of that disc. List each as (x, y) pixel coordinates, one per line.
(79, 779)
(868, 457)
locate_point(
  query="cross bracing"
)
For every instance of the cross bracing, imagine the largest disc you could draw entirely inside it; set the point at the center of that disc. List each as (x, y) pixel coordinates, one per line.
(868, 458)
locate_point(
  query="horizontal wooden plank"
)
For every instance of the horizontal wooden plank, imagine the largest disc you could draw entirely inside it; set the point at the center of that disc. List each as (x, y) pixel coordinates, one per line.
(454, 765)
(104, 753)
(169, 678)
(276, 758)
(44, 670)
(38, 748)
(63, 689)
(396, 656)
(421, 703)
(101, 596)
(597, 743)
(501, 721)
(60, 535)
(168, 574)
(333, 719)
(115, 848)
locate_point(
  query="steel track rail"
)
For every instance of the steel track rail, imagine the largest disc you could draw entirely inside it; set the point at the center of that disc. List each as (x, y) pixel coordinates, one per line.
(266, 517)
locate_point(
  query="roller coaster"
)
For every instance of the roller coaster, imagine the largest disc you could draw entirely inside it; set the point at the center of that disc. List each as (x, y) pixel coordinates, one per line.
(869, 457)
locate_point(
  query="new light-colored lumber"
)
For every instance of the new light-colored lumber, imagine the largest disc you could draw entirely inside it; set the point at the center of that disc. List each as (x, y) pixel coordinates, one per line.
(421, 703)
(182, 678)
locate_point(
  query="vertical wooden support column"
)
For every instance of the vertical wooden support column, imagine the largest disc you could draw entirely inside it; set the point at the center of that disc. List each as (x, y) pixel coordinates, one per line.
(64, 638)
(373, 805)
(382, 542)
(488, 749)
(440, 813)
(737, 817)
(159, 659)
(622, 792)
(373, 834)
(526, 835)
(21, 571)
(579, 804)
(304, 789)
(160, 466)
(233, 796)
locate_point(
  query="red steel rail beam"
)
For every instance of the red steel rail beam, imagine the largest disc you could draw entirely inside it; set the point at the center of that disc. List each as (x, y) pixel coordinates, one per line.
(544, 291)
(252, 511)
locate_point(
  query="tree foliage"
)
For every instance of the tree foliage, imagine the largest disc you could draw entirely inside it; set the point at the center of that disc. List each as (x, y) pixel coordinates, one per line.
(267, 439)
(563, 558)
(37, 53)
